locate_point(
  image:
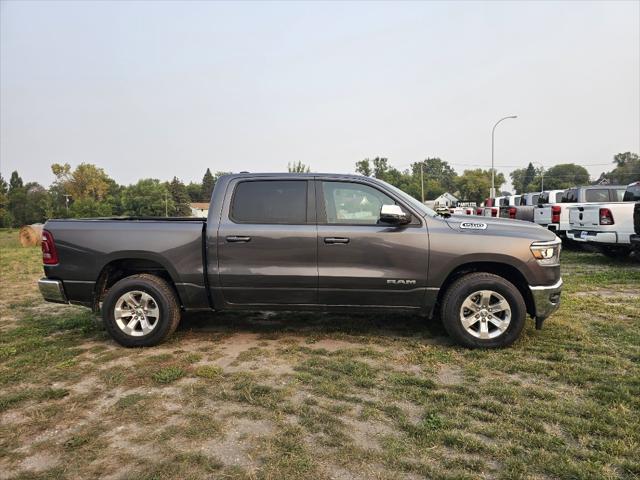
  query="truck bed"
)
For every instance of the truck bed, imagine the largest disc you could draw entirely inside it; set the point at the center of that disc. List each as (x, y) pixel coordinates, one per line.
(89, 248)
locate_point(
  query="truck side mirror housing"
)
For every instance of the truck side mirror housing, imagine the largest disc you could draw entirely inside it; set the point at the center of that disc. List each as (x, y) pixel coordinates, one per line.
(394, 214)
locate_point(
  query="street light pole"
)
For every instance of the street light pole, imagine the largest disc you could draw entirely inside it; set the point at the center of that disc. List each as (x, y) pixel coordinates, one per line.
(492, 194)
(422, 180)
(541, 176)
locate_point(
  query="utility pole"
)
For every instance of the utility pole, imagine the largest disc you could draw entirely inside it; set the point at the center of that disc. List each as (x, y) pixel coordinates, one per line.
(422, 179)
(66, 201)
(492, 193)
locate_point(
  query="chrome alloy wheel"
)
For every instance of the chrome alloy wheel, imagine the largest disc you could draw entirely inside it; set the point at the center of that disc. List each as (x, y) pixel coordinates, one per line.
(485, 314)
(136, 313)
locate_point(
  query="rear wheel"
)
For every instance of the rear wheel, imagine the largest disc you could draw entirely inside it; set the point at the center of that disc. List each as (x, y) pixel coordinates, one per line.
(483, 310)
(140, 311)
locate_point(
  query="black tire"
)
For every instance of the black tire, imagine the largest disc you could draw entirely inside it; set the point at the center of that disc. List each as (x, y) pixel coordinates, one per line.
(163, 296)
(469, 284)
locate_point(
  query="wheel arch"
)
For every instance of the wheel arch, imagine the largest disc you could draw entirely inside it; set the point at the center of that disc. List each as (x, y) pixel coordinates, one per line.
(121, 267)
(504, 270)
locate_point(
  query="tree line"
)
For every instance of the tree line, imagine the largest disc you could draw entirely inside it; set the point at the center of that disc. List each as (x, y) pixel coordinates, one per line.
(87, 190)
(473, 184)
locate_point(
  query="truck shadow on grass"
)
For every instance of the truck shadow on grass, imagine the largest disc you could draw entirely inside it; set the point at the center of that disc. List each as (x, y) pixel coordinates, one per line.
(360, 328)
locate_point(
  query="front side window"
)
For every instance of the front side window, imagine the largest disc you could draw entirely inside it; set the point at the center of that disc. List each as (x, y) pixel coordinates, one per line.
(597, 195)
(353, 203)
(270, 202)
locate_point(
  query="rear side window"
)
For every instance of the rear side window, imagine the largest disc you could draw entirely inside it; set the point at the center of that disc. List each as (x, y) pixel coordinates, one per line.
(534, 199)
(504, 202)
(632, 194)
(516, 201)
(543, 198)
(570, 196)
(270, 201)
(597, 195)
(617, 195)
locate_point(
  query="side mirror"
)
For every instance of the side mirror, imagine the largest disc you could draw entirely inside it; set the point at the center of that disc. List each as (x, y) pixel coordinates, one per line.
(394, 214)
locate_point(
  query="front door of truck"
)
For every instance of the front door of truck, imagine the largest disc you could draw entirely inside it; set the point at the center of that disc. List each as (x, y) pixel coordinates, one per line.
(267, 247)
(361, 261)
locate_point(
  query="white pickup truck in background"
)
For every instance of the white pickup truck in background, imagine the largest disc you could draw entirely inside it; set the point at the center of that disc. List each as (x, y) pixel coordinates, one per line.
(555, 215)
(547, 212)
(608, 226)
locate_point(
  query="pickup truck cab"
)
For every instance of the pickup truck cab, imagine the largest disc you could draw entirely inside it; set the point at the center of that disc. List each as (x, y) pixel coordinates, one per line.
(608, 225)
(306, 242)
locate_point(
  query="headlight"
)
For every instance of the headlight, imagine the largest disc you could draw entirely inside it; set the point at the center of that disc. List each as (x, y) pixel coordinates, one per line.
(547, 253)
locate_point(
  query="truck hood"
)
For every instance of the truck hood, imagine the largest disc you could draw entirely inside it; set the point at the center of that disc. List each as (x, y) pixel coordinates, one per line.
(504, 227)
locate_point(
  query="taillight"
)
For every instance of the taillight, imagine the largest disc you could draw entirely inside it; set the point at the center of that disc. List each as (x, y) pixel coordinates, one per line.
(512, 212)
(478, 211)
(494, 212)
(468, 211)
(555, 213)
(606, 217)
(49, 252)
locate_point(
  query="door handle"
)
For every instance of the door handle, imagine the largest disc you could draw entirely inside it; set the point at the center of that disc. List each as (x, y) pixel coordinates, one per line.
(237, 239)
(332, 240)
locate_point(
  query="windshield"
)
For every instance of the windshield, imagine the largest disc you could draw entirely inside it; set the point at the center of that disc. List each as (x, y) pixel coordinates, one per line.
(410, 200)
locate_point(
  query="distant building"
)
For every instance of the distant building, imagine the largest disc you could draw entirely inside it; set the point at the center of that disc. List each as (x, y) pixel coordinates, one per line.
(199, 209)
(444, 200)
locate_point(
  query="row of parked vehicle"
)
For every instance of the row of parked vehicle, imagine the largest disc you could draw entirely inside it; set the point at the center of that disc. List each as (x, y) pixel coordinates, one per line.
(606, 216)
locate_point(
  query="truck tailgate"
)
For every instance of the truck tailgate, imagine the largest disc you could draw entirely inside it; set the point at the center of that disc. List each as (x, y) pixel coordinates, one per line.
(542, 215)
(585, 218)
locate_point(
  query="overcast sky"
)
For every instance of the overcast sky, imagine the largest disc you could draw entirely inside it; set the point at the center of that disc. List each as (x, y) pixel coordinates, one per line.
(146, 89)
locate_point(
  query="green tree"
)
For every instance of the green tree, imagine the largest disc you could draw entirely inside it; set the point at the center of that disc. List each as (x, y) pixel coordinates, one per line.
(626, 169)
(380, 167)
(194, 190)
(180, 198)
(565, 175)
(473, 185)
(5, 216)
(147, 198)
(208, 182)
(437, 170)
(86, 181)
(298, 167)
(529, 176)
(363, 167)
(37, 203)
(89, 208)
(17, 200)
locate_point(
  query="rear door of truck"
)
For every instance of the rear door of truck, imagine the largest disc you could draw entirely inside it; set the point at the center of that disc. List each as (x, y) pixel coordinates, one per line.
(267, 242)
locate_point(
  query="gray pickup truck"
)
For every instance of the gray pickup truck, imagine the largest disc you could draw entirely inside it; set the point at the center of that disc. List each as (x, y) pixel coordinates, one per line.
(306, 242)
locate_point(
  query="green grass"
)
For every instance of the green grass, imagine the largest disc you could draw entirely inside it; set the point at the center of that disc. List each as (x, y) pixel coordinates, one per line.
(319, 396)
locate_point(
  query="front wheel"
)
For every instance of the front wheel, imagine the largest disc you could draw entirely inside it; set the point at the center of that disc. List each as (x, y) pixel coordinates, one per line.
(483, 310)
(140, 311)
